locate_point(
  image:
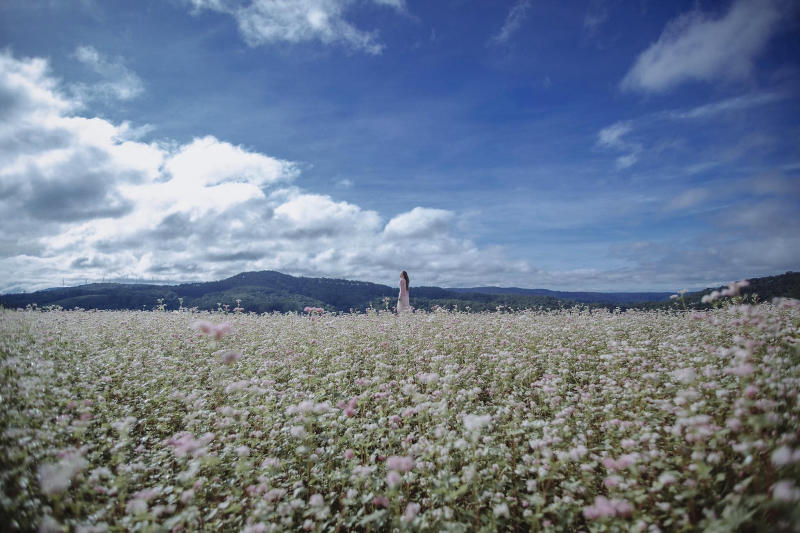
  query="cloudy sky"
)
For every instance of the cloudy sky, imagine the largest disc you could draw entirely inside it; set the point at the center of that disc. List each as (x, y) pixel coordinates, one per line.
(593, 145)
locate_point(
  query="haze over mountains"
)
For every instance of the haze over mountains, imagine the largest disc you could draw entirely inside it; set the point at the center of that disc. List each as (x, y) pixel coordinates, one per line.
(269, 291)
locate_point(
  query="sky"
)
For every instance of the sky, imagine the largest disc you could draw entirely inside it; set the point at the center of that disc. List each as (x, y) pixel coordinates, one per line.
(603, 145)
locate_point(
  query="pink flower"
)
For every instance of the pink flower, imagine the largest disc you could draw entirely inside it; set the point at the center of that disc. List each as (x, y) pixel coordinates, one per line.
(349, 407)
(734, 424)
(609, 463)
(212, 330)
(349, 453)
(603, 507)
(380, 501)
(745, 369)
(393, 479)
(229, 356)
(401, 463)
(184, 444)
(412, 510)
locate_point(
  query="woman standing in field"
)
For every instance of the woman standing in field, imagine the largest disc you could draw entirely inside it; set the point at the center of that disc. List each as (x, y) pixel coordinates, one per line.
(402, 300)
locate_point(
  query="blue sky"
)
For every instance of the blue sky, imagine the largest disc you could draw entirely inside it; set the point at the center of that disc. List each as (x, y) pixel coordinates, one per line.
(600, 145)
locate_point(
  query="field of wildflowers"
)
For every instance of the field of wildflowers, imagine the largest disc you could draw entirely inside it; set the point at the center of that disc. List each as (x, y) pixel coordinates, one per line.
(525, 421)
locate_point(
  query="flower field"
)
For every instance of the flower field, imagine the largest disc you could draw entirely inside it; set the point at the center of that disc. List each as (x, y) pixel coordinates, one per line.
(524, 421)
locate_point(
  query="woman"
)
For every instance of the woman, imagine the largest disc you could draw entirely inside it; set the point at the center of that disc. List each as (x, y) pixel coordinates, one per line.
(402, 300)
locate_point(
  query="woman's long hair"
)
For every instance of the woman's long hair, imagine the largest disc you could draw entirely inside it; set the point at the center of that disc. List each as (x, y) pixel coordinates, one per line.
(405, 276)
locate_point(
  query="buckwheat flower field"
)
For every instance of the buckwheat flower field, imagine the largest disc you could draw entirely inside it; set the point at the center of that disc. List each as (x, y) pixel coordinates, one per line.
(573, 420)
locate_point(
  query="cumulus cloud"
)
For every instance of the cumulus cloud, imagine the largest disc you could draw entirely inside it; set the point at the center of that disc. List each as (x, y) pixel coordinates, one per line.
(419, 222)
(699, 46)
(314, 215)
(268, 21)
(89, 200)
(516, 16)
(118, 81)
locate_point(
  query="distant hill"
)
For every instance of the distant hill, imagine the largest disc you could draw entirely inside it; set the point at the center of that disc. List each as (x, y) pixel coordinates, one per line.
(582, 297)
(269, 291)
(782, 286)
(265, 291)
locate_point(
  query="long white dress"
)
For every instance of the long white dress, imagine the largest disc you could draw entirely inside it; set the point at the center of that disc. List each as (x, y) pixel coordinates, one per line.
(402, 300)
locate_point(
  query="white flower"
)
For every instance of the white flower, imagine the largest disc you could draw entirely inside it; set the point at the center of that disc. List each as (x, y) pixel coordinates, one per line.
(56, 477)
(50, 525)
(124, 425)
(476, 422)
(666, 478)
(242, 451)
(412, 509)
(782, 456)
(298, 432)
(502, 510)
(684, 375)
(785, 491)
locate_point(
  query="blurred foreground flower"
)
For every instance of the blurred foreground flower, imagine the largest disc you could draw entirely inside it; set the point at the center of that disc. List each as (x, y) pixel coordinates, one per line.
(212, 330)
(57, 477)
(230, 356)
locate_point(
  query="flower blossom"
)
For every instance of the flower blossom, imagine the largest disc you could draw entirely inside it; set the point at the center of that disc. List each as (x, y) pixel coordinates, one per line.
(401, 463)
(230, 356)
(393, 479)
(785, 491)
(412, 510)
(475, 423)
(603, 507)
(212, 330)
(57, 477)
(184, 444)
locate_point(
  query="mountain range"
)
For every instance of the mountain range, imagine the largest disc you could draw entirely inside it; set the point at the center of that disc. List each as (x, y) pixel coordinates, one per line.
(269, 291)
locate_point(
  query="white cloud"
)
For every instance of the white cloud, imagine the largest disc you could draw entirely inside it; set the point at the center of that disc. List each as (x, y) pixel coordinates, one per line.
(633, 138)
(737, 103)
(119, 82)
(89, 200)
(627, 160)
(688, 198)
(516, 16)
(268, 21)
(700, 47)
(613, 137)
(314, 215)
(419, 222)
(596, 16)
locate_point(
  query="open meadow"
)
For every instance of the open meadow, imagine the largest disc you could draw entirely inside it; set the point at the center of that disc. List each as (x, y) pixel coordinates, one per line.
(572, 420)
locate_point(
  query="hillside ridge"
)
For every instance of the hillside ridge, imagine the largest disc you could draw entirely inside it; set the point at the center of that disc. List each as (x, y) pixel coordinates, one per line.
(270, 291)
